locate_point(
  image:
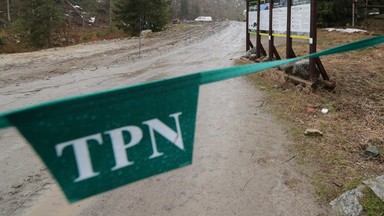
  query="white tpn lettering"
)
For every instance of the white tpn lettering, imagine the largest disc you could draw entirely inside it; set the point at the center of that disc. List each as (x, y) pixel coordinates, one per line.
(165, 131)
(119, 146)
(82, 157)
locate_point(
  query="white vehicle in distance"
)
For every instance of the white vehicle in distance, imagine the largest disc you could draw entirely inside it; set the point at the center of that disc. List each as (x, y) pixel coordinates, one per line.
(204, 18)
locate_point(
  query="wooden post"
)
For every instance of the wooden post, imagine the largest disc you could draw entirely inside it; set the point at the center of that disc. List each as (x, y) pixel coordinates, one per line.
(247, 43)
(313, 72)
(271, 39)
(258, 36)
(289, 50)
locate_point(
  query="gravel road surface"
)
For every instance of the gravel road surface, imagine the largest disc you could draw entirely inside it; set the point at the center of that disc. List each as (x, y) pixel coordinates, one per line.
(240, 149)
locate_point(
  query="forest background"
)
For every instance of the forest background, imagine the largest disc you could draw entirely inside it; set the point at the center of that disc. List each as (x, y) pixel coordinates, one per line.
(33, 24)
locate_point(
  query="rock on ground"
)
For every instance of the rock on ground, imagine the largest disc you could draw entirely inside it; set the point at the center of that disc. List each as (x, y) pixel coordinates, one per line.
(372, 151)
(348, 203)
(301, 69)
(377, 186)
(313, 132)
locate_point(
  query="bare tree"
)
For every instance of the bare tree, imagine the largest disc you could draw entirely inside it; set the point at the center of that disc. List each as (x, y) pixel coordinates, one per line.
(8, 11)
(110, 11)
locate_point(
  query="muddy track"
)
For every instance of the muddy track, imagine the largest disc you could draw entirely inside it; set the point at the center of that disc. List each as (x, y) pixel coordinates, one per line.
(18, 192)
(239, 165)
(26, 67)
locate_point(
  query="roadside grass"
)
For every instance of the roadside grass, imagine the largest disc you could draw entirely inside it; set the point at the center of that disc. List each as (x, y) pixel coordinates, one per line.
(373, 206)
(354, 121)
(179, 27)
(10, 42)
(84, 35)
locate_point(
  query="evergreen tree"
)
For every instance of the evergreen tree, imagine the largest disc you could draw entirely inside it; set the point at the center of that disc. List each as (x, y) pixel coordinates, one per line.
(377, 2)
(184, 9)
(334, 12)
(37, 20)
(135, 15)
(195, 10)
(158, 14)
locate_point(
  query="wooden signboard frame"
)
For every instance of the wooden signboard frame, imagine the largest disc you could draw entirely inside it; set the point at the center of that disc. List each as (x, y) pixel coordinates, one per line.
(316, 66)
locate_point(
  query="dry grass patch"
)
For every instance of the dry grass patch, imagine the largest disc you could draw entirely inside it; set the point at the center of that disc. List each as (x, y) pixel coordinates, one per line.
(373, 206)
(355, 119)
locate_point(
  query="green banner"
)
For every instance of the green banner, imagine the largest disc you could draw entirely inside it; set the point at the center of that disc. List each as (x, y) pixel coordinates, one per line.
(98, 142)
(102, 141)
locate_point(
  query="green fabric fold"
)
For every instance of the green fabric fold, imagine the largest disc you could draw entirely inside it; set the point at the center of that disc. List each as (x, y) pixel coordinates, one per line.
(219, 74)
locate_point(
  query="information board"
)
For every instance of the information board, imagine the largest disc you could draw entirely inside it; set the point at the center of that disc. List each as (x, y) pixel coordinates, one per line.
(300, 24)
(301, 18)
(279, 24)
(252, 17)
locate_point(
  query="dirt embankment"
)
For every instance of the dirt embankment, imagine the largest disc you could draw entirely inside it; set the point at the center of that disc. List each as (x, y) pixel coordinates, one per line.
(43, 64)
(355, 119)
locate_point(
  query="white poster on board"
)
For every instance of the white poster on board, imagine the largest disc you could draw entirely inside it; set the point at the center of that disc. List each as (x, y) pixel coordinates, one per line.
(279, 25)
(252, 17)
(301, 16)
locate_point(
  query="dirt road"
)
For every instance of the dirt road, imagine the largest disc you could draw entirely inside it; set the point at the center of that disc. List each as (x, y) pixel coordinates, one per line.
(239, 153)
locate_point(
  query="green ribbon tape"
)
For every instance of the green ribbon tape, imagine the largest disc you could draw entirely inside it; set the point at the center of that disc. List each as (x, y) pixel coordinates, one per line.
(96, 143)
(101, 141)
(227, 73)
(4, 122)
(231, 72)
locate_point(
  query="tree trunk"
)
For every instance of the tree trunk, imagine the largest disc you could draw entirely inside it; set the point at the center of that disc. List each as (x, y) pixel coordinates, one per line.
(8, 12)
(110, 11)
